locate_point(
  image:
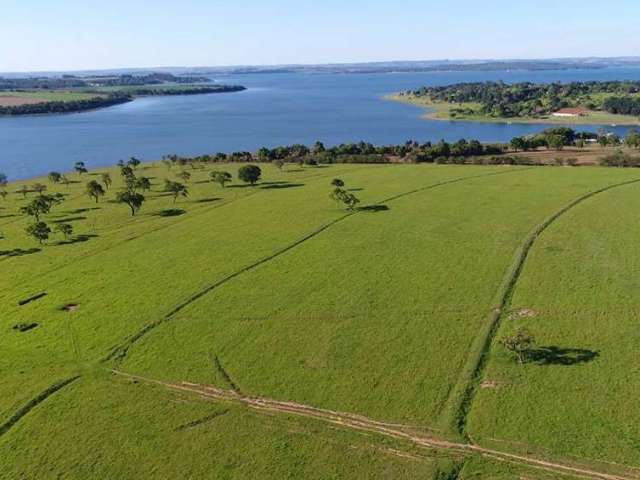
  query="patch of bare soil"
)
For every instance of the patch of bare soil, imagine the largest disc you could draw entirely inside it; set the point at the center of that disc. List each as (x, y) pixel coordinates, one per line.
(12, 101)
(522, 313)
(70, 307)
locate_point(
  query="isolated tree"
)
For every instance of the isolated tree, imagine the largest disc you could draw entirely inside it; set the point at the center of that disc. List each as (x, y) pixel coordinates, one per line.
(342, 196)
(3, 180)
(133, 199)
(278, 163)
(94, 190)
(106, 179)
(133, 162)
(66, 229)
(41, 205)
(519, 344)
(249, 174)
(3, 194)
(184, 175)
(336, 182)
(39, 231)
(220, 177)
(143, 183)
(126, 171)
(176, 189)
(24, 190)
(54, 177)
(64, 179)
(80, 168)
(39, 188)
(318, 147)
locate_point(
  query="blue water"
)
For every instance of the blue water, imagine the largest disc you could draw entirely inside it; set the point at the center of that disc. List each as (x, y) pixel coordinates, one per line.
(277, 109)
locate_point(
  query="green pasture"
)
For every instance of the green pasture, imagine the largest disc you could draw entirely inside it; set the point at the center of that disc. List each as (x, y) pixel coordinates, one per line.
(579, 398)
(279, 292)
(49, 96)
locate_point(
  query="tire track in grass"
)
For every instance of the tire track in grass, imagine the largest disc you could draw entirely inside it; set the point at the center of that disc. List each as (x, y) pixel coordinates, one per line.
(119, 352)
(361, 423)
(34, 402)
(454, 416)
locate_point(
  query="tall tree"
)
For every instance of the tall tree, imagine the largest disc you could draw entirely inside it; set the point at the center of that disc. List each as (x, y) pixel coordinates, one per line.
(249, 174)
(80, 168)
(39, 231)
(106, 179)
(94, 190)
(132, 199)
(176, 189)
(220, 177)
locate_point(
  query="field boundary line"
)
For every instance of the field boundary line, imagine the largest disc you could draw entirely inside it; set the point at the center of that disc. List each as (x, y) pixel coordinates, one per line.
(365, 424)
(120, 351)
(34, 402)
(459, 402)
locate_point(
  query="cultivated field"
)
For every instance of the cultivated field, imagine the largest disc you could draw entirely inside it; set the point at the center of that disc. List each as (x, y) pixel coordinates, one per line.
(17, 98)
(266, 332)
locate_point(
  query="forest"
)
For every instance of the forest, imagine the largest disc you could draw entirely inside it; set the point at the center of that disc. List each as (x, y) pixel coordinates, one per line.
(526, 99)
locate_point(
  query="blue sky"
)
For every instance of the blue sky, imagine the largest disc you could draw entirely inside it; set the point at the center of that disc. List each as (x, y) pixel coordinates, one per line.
(74, 34)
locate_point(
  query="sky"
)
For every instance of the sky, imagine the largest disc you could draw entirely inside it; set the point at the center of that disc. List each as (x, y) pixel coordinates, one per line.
(54, 35)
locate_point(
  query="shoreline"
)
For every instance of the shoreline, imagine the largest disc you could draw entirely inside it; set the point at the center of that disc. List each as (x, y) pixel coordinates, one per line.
(436, 110)
(133, 98)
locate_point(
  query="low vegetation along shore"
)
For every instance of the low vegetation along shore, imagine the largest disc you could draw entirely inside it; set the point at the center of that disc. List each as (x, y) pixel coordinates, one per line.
(28, 96)
(259, 314)
(596, 103)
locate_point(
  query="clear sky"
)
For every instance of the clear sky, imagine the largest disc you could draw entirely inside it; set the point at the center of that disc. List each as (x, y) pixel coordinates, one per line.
(88, 34)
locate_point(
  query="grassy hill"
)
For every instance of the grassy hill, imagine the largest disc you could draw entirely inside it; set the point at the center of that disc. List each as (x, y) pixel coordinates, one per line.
(265, 331)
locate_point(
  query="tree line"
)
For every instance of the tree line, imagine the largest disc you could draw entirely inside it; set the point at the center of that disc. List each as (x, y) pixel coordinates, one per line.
(67, 106)
(526, 99)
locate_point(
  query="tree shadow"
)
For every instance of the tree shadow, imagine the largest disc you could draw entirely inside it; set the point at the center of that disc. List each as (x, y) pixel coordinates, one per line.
(280, 185)
(201, 182)
(171, 212)
(206, 200)
(82, 210)
(69, 219)
(354, 189)
(19, 252)
(246, 185)
(374, 208)
(561, 356)
(8, 215)
(77, 239)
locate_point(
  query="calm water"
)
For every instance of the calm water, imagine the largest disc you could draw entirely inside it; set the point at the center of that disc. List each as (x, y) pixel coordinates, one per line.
(277, 109)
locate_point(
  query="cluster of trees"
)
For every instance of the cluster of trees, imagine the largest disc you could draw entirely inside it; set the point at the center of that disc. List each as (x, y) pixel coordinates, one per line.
(361, 152)
(70, 106)
(187, 90)
(72, 81)
(620, 159)
(622, 105)
(499, 99)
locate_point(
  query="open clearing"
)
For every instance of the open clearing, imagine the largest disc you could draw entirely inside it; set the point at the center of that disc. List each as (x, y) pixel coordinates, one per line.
(276, 292)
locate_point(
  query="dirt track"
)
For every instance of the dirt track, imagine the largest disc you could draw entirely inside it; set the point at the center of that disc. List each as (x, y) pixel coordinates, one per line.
(401, 432)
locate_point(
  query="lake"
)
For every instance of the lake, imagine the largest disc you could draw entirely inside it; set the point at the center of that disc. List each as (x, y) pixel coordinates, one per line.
(276, 109)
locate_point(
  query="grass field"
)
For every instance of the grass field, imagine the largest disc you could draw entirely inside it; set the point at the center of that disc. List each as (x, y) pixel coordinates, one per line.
(274, 293)
(444, 111)
(16, 98)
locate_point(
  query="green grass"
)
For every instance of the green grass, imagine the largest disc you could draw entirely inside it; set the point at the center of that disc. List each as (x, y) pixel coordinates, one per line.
(445, 111)
(579, 281)
(375, 313)
(49, 96)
